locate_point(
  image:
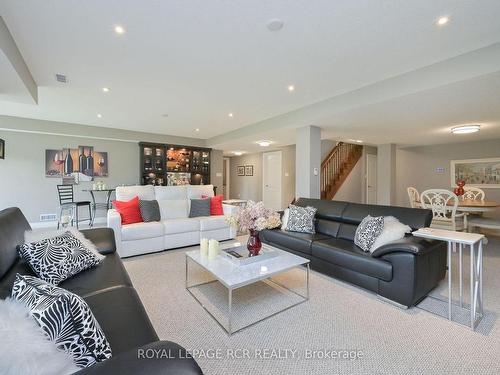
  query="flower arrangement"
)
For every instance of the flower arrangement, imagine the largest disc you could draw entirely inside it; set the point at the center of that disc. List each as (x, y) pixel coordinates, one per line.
(255, 217)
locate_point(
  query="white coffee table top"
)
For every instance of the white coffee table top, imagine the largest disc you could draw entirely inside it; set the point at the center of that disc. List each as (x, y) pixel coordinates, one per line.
(449, 235)
(233, 276)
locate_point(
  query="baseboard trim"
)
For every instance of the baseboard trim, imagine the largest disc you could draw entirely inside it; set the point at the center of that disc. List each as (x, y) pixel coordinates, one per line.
(53, 224)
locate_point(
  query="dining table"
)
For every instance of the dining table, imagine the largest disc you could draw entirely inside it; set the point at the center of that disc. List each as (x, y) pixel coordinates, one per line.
(100, 205)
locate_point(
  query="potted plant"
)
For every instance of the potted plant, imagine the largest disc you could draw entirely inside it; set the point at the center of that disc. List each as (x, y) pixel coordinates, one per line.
(254, 218)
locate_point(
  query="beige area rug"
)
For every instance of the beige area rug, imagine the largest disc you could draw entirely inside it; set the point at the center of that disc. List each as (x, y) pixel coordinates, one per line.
(340, 330)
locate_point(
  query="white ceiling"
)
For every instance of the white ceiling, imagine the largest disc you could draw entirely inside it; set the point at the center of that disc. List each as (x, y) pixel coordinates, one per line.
(200, 60)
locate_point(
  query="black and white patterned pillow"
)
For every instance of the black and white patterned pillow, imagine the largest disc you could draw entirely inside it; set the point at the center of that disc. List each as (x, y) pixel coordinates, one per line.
(150, 210)
(301, 219)
(368, 231)
(65, 318)
(58, 258)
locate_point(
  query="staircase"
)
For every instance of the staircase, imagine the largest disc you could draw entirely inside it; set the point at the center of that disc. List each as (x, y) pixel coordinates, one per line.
(337, 166)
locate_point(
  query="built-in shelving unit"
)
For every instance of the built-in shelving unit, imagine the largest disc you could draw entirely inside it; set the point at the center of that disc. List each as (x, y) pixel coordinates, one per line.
(164, 164)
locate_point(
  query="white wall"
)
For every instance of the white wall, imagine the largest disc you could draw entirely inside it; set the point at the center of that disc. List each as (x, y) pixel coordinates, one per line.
(352, 188)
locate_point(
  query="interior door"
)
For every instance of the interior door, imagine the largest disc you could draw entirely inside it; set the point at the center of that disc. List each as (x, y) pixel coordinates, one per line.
(271, 178)
(371, 179)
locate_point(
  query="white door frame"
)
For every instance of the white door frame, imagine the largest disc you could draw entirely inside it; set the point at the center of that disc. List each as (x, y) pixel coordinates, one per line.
(280, 153)
(227, 165)
(370, 156)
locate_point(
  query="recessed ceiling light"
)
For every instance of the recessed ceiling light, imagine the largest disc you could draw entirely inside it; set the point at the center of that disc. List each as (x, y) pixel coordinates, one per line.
(355, 140)
(264, 143)
(238, 153)
(466, 129)
(291, 88)
(99, 115)
(443, 21)
(119, 29)
(230, 115)
(197, 129)
(275, 24)
(105, 89)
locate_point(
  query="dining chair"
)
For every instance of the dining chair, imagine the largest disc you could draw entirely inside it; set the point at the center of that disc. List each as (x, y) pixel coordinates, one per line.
(473, 193)
(444, 204)
(66, 199)
(413, 196)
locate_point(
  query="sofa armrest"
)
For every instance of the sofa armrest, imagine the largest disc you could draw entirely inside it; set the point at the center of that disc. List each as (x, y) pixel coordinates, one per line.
(102, 238)
(115, 222)
(160, 357)
(230, 209)
(410, 244)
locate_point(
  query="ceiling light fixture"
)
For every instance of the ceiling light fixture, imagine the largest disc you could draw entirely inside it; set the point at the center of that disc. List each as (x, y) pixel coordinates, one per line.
(291, 88)
(356, 140)
(105, 89)
(466, 129)
(275, 24)
(197, 129)
(264, 143)
(119, 29)
(99, 115)
(442, 21)
(238, 153)
(230, 115)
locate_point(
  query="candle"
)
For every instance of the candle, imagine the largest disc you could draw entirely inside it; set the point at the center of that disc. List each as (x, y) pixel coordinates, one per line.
(213, 249)
(204, 247)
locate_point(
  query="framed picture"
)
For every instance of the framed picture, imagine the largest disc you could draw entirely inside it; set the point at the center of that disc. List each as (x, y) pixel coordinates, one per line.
(2, 149)
(482, 173)
(248, 170)
(240, 170)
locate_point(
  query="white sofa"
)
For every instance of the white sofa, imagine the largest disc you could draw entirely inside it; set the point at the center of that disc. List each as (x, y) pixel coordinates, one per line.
(176, 228)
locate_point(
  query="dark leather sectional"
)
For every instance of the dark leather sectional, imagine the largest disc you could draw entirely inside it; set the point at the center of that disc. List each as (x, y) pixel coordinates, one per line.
(108, 291)
(403, 271)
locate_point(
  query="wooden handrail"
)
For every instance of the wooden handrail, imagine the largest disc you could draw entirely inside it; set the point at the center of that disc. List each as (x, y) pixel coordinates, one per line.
(331, 154)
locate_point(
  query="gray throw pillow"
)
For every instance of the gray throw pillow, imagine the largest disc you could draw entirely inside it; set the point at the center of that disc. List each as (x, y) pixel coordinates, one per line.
(150, 210)
(301, 219)
(200, 207)
(368, 231)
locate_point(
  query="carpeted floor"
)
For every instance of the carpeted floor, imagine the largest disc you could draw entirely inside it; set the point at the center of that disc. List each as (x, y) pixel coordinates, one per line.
(338, 319)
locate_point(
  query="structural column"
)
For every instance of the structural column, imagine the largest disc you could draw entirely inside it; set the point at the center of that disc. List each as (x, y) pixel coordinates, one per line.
(308, 162)
(386, 174)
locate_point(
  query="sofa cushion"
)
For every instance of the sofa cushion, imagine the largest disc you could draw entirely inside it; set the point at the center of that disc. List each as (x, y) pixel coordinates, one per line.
(300, 242)
(150, 210)
(199, 207)
(173, 209)
(129, 210)
(196, 191)
(213, 223)
(174, 226)
(139, 231)
(346, 254)
(170, 193)
(122, 317)
(126, 193)
(13, 224)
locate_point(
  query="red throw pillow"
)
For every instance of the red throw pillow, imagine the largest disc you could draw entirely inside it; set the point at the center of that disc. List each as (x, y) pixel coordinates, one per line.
(129, 211)
(215, 205)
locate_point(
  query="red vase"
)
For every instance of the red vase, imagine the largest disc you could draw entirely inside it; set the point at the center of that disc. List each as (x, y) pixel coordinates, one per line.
(254, 245)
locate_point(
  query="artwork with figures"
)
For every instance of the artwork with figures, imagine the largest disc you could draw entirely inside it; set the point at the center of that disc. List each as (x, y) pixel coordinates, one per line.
(483, 173)
(74, 165)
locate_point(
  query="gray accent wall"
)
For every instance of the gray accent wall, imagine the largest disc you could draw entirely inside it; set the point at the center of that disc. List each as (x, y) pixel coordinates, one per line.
(420, 167)
(250, 187)
(22, 172)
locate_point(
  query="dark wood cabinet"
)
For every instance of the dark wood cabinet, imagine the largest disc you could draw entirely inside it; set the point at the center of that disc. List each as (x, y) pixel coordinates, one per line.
(164, 164)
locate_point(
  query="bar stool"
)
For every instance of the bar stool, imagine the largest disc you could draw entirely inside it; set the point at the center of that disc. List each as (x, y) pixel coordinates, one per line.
(66, 199)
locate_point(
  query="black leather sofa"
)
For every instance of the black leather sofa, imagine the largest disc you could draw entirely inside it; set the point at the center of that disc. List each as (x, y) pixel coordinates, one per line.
(112, 298)
(403, 271)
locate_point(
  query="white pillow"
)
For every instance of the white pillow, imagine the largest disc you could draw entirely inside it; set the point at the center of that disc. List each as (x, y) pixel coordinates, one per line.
(284, 219)
(25, 348)
(173, 209)
(393, 230)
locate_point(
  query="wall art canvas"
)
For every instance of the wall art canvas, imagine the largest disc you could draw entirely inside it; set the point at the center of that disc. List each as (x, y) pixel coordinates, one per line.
(76, 164)
(483, 173)
(240, 170)
(248, 170)
(2, 149)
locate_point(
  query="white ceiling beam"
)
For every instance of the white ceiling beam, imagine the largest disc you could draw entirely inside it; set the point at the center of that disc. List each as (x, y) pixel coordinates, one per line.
(9, 48)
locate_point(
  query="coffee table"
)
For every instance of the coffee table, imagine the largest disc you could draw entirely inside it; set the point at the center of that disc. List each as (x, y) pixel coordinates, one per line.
(233, 277)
